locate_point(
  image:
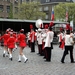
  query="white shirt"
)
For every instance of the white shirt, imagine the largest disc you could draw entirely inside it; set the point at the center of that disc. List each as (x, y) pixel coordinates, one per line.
(48, 39)
(68, 40)
(39, 37)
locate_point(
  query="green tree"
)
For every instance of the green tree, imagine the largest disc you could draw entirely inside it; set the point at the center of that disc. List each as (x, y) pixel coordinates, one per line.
(10, 15)
(61, 8)
(30, 11)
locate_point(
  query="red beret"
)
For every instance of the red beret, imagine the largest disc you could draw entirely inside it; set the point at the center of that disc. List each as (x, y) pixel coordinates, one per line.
(46, 26)
(61, 29)
(31, 26)
(51, 24)
(67, 26)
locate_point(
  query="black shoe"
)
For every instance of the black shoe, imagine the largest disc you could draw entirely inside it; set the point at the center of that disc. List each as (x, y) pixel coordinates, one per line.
(62, 62)
(26, 60)
(44, 57)
(10, 59)
(3, 55)
(19, 61)
(47, 61)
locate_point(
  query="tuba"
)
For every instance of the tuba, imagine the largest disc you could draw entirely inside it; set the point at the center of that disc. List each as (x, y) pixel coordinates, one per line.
(39, 23)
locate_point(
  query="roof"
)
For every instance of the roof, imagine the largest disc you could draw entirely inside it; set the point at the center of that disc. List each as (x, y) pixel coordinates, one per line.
(32, 21)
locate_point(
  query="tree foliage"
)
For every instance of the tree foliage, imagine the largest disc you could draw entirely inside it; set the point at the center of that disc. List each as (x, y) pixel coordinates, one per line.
(10, 15)
(30, 11)
(61, 8)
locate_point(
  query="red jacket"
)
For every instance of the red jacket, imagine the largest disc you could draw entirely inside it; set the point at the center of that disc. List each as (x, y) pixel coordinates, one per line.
(5, 37)
(11, 42)
(32, 36)
(21, 39)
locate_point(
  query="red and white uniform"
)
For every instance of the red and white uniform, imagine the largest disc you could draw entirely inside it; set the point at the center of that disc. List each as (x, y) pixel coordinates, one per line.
(21, 39)
(60, 37)
(48, 39)
(32, 36)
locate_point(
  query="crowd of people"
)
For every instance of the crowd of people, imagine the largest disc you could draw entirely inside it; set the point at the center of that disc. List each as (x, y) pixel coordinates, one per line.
(43, 36)
(11, 39)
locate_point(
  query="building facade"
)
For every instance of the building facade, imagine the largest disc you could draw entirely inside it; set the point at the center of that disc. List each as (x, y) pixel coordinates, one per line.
(5, 7)
(47, 5)
(48, 1)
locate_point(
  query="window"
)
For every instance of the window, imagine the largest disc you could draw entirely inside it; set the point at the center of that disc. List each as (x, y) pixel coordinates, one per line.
(68, 0)
(8, 0)
(40, 9)
(21, 1)
(16, 9)
(46, 16)
(46, 8)
(47, 0)
(27, 0)
(8, 9)
(16, 1)
(1, 8)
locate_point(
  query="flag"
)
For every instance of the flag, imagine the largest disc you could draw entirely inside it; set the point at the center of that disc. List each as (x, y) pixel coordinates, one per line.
(52, 14)
(66, 15)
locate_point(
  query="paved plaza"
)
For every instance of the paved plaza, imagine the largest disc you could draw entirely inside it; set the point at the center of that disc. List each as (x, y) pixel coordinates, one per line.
(36, 64)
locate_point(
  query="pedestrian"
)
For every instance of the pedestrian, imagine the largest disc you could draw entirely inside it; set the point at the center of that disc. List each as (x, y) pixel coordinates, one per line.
(22, 45)
(68, 45)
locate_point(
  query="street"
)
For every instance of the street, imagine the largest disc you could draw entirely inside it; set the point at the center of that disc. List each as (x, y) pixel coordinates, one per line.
(36, 64)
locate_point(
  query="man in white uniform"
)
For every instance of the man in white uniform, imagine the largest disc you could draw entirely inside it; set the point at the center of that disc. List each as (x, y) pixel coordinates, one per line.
(48, 44)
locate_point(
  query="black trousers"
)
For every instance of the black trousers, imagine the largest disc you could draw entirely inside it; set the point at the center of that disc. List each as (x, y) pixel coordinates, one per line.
(68, 48)
(29, 43)
(32, 46)
(48, 53)
(40, 49)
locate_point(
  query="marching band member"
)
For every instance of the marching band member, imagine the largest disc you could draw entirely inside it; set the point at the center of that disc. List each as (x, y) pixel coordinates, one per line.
(5, 37)
(15, 36)
(28, 38)
(33, 39)
(68, 45)
(44, 34)
(39, 37)
(22, 45)
(60, 36)
(52, 34)
(11, 45)
(48, 43)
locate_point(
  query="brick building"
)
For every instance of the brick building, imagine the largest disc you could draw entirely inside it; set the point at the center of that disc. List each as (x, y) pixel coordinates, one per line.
(46, 6)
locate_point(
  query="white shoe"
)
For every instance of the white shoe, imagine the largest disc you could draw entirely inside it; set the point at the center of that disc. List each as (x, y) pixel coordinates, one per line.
(26, 61)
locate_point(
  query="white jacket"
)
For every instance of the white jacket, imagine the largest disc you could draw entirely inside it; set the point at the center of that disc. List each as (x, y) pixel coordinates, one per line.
(49, 38)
